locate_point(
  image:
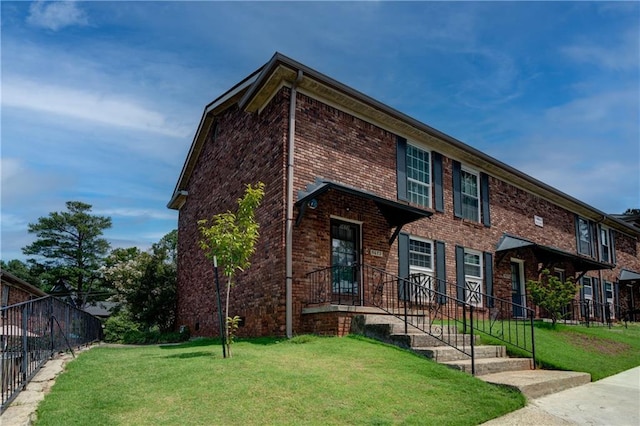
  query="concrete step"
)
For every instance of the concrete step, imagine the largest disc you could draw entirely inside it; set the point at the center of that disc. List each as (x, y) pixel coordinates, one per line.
(424, 340)
(447, 353)
(538, 383)
(492, 365)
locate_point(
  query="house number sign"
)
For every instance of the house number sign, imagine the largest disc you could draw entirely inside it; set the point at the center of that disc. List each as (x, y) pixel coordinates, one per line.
(376, 253)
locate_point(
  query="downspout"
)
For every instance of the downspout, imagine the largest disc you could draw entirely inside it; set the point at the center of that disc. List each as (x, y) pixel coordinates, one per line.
(289, 230)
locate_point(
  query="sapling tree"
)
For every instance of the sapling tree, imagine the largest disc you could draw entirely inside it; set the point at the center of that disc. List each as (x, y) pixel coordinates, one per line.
(552, 294)
(230, 238)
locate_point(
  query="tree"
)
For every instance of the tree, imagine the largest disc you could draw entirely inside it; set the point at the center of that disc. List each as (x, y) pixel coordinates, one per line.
(145, 282)
(71, 246)
(230, 239)
(24, 271)
(551, 294)
(632, 212)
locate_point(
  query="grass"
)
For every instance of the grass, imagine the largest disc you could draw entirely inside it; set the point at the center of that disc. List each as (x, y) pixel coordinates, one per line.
(599, 351)
(307, 380)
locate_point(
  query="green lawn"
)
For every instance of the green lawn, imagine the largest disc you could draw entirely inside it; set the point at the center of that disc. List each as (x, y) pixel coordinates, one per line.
(308, 380)
(599, 351)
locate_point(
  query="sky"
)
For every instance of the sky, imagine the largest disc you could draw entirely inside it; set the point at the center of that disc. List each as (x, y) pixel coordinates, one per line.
(100, 100)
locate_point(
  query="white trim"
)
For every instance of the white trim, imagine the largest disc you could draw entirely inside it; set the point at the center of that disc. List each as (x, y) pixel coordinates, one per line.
(523, 288)
(429, 184)
(473, 280)
(476, 173)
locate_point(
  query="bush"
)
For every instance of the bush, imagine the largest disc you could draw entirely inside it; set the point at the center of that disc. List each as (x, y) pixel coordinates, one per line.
(122, 329)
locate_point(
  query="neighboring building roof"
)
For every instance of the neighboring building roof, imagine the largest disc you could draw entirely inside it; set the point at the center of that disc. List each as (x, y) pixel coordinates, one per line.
(631, 219)
(510, 242)
(256, 90)
(14, 281)
(101, 309)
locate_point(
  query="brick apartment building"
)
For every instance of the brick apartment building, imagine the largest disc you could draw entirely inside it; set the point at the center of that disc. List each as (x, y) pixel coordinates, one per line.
(352, 182)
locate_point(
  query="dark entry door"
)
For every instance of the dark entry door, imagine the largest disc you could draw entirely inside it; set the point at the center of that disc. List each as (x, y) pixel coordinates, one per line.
(517, 290)
(345, 248)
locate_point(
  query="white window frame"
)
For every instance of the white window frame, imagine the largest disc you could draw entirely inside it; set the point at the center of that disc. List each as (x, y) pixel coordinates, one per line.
(560, 274)
(590, 296)
(413, 196)
(605, 244)
(474, 285)
(422, 275)
(610, 300)
(588, 241)
(477, 197)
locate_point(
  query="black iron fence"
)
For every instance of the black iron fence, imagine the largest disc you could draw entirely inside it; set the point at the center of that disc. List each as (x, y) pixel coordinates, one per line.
(32, 332)
(594, 313)
(454, 314)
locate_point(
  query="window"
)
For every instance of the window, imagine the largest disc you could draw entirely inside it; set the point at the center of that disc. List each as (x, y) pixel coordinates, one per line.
(470, 195)
(583, 229)
(421, 269)
(418, 176)
(420, 254)
(608, 291)
(587, 297)
(473, 277)
(560, 274)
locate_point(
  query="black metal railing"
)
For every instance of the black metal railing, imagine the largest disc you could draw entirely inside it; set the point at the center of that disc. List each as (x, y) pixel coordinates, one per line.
(454, 314)
(32, 332)
(594, 313)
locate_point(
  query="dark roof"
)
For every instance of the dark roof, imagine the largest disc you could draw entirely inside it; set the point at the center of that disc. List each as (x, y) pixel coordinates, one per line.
(100, 309)
(549, 253)
(629, 277)
(14, 281)
(396, 213)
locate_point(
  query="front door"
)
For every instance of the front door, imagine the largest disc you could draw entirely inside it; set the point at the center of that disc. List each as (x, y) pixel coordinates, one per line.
(517, 290)
(345, 249)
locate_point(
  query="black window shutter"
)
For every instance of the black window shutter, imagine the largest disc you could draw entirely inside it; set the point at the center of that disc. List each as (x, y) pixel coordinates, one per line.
(577, 222)
(593, 231)
(460, 281)
(457, 189)
(612, 243)
(441, 271)
(595, 289)
(616, 298)
(401, 165)
(484, 193)
(403, 262)
(488, 277)
(582, 299)
(438, 193)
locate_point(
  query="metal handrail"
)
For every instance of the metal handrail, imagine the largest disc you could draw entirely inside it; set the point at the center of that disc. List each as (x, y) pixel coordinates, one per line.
(32, 332)
(436, 307)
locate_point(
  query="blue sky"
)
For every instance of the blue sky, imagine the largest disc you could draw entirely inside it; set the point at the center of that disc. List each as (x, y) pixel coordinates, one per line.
(100, 100)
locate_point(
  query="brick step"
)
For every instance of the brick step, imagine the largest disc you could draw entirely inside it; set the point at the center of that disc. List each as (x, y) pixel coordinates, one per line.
(447, 353)
(491, 365)
(419, 340)
(538, 383)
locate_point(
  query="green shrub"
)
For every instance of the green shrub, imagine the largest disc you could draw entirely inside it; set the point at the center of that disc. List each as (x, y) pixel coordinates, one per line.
(118, 326)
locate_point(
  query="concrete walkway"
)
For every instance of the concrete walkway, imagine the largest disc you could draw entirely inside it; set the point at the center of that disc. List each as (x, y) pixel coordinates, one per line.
(613, 401)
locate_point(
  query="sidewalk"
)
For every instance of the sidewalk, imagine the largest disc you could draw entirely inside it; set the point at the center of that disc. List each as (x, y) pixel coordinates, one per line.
(614, 400)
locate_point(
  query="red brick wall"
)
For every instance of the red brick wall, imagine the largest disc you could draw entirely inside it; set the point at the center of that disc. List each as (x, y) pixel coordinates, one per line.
(334, 145)
(248, 148)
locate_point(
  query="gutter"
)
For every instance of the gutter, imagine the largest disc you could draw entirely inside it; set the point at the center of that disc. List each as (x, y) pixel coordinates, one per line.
(289, 226)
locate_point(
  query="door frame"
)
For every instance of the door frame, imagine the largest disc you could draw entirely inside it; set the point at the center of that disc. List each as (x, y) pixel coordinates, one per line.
(359, 250)
(523, 292)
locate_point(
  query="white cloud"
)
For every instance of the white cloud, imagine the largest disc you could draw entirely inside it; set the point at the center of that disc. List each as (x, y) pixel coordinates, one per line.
(95, 106)
(620, 54)
(164, 214)
(56, 15)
